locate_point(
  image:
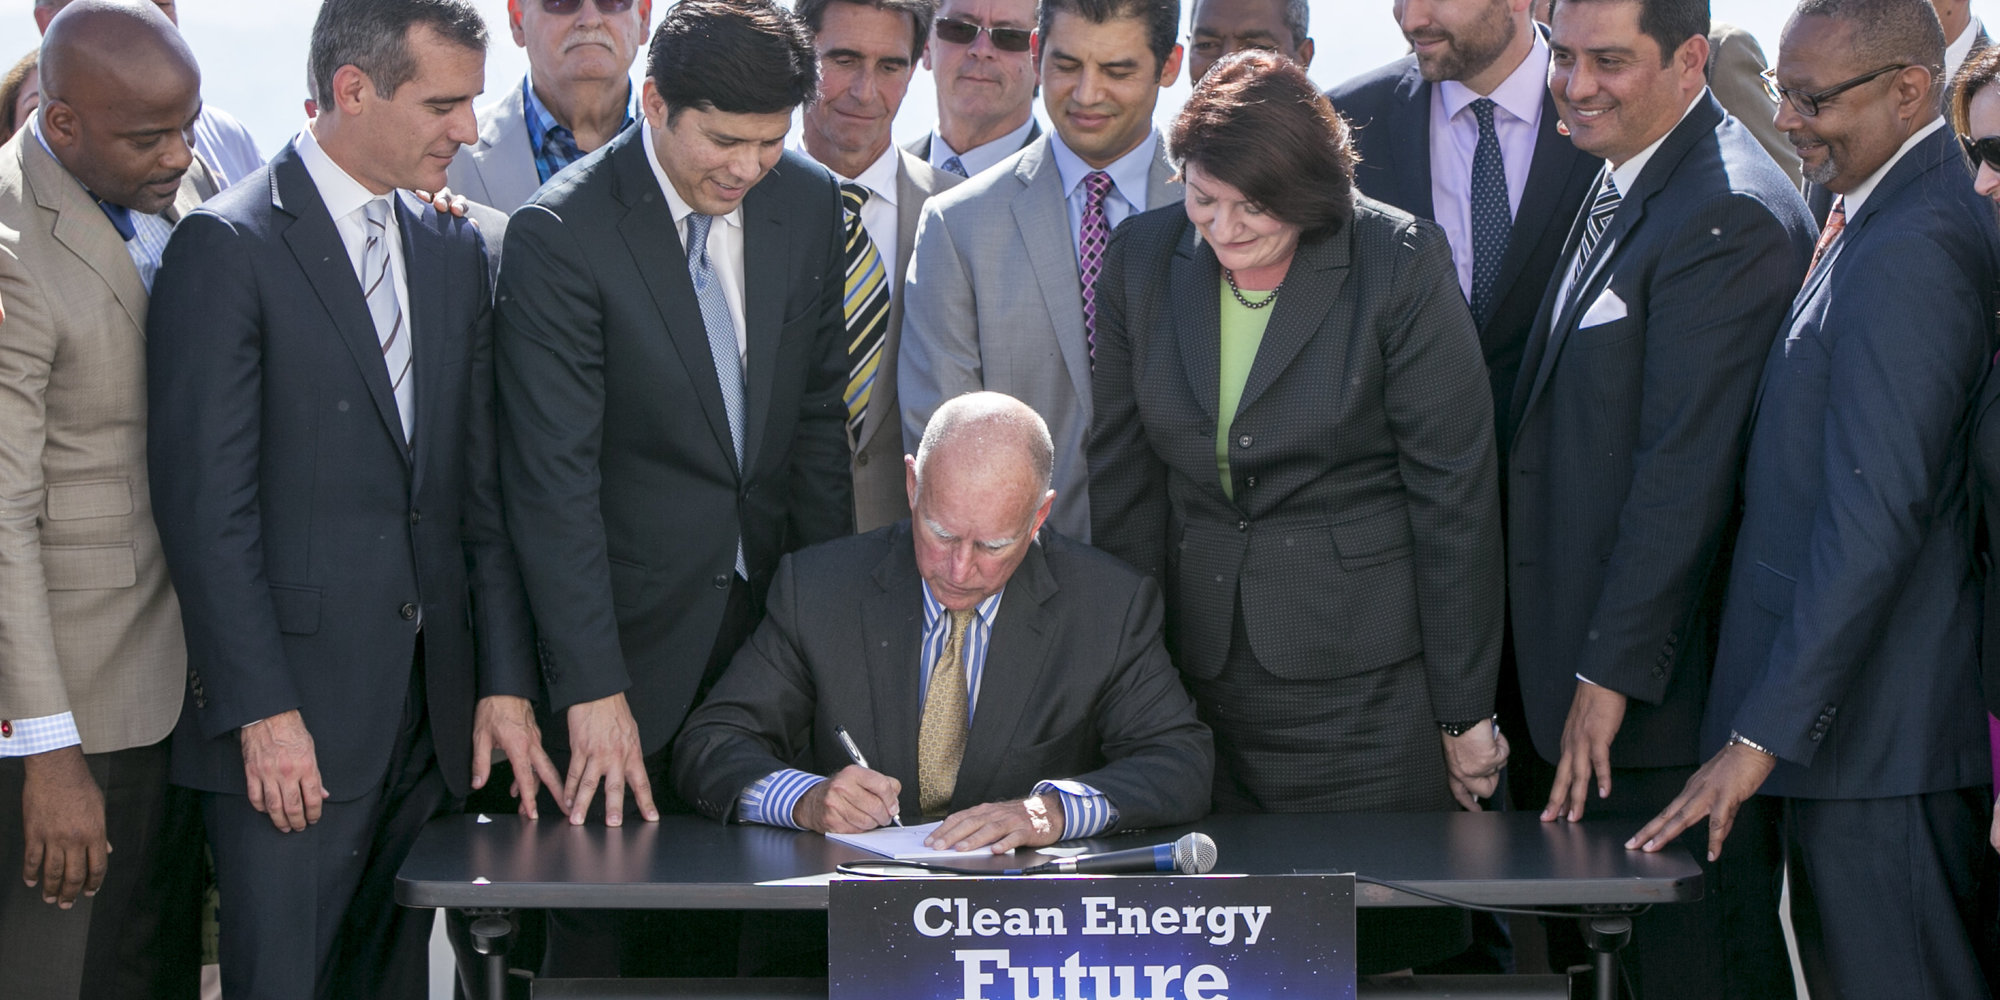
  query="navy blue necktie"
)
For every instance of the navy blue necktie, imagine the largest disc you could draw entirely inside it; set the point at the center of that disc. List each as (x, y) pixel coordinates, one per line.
(1492, 217)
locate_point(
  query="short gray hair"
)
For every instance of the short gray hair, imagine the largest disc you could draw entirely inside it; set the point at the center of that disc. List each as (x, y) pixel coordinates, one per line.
(989, 420)
(373, 36)
(1298, 19)
(1888, 31)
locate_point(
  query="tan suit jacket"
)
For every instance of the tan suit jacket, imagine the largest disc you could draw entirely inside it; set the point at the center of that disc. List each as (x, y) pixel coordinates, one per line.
(1735, 73)
(88, 620)
(879, 498)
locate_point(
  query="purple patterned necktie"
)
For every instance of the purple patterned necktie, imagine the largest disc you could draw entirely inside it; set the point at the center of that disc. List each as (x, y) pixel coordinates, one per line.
(1095, 233)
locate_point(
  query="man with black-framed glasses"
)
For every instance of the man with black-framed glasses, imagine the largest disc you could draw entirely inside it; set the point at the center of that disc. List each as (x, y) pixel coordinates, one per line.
(1846, 684)
(576, 96)
(985, 85)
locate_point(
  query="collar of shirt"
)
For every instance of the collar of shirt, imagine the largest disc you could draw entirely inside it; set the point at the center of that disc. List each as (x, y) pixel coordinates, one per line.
(675, 202)
(1519, 95)
(1129, 173)
(937, 633)
(1627, 174)
(1960, 48)
(342, 194)
(1852, 201)
(879, 178)
(540, 121)
(984, 155)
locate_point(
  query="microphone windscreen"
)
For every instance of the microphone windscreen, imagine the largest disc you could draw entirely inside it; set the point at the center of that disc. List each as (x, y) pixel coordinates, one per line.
(1194, 854)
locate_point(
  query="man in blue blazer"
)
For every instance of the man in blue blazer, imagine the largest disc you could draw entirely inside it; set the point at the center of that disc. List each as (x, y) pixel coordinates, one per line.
(1419, 131)
(324, 478)
(1846, 681)
(1629, 421)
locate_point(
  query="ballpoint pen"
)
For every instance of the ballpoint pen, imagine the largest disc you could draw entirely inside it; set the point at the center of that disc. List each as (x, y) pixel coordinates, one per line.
(854, 754)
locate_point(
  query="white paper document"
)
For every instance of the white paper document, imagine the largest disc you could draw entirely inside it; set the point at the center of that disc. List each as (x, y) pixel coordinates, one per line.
(903, 843)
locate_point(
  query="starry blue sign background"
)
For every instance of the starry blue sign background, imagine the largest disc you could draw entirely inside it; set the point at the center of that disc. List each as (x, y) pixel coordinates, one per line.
(1305, 948)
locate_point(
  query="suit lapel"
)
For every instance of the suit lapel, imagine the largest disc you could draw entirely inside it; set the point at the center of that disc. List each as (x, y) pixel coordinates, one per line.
(82, 228)
(1410, 143)
(648, 231)
(1548, 175)
(1016, 656)
(323, 258)
(766, 251)
(423, 252)
(1161, 190)
(892, 633)
(1317, 275)
(1043, 217)
(1196, 279)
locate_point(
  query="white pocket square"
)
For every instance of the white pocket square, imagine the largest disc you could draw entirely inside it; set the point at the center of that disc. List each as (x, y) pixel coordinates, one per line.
(1608, 308)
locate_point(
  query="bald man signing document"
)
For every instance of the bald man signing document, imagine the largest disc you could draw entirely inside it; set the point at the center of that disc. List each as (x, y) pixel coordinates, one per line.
(1012, 683)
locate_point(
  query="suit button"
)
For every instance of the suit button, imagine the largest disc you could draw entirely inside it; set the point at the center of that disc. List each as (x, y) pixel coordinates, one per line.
(408, 611)
(1659, 671)
(721, 582)
(416, 517)
(861, 459)
(1249, 480)
(1243, 442)
(1242, 526)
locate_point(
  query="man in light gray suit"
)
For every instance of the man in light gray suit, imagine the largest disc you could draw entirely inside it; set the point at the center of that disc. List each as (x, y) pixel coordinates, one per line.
(576, 96)
(1000, 293)
(868, 50)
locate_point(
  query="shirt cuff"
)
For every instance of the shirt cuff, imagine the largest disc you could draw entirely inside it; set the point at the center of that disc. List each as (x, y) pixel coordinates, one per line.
(1588, 681)
(27, 737)
(770, 799)
(1086, 811)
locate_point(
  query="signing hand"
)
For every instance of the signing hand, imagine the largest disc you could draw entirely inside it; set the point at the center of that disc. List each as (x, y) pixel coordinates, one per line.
(604, 743)
(62, 814)
(1036, 821)
(508, 722)
(1473, 760)
(852, 801)
(1594, 717)
(282, 772)
(1716, 791)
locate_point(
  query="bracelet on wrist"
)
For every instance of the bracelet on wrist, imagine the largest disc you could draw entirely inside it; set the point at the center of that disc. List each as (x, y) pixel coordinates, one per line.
(1740, 740)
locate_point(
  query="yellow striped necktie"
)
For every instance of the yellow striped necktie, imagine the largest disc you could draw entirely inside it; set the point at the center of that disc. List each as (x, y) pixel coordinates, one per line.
(865, 303)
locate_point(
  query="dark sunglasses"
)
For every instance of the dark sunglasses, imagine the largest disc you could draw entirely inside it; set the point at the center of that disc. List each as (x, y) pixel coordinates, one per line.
(1808, 104)
(1980, 151)
(964, 32)
(565, 7)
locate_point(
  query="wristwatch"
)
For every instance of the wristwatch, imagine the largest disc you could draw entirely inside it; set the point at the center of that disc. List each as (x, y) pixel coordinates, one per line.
(1457, 729)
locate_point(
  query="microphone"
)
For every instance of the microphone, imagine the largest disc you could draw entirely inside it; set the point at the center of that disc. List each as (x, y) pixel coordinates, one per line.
(1193, 854)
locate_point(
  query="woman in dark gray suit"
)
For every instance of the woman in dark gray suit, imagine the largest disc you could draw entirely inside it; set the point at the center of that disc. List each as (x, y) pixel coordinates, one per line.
(1293, 432)
(1975, 115)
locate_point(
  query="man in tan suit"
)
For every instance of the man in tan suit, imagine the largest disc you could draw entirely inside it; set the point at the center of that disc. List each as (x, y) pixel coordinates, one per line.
(92, 666)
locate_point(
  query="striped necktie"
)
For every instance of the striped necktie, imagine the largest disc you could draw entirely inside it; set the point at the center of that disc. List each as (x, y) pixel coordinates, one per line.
(946, 720)
(379, 288)
(865, 303)
(1836, 222)
(1601, 212)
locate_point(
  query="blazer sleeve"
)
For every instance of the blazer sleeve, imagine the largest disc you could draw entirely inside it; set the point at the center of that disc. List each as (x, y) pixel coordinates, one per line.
(549, 371)
(1440, 413)
(1128, 482)
(205, 388)
(939, 356)
(758, 718)
(1894, 403)
(1720, 288)
(821, 480)
(1159, 758)
(31, 683)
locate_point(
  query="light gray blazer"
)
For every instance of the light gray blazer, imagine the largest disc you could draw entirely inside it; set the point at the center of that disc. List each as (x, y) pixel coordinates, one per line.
(879, 498)
(499, 169)
(993, 301)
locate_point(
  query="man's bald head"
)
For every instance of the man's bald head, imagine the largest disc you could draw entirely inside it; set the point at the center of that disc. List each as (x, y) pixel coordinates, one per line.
(979, 491)
(120, 93)
(991, 433)
(46, 10)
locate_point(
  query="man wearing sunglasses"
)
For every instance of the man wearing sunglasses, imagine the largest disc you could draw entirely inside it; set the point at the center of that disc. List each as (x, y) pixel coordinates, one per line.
(1001, 289)
(576, 96)
(1846, 683)
(985, 85)
(868, 50)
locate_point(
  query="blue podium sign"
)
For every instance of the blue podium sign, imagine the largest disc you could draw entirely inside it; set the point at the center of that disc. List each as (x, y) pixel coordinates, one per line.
(1092, 938)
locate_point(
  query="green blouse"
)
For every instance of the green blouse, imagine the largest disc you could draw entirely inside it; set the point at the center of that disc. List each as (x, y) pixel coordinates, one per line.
(1242, 333)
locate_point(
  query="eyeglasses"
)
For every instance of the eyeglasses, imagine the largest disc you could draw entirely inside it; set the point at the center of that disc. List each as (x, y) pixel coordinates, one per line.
(562, 8)
(1986, 151)
(1809, 104)
(965, 33)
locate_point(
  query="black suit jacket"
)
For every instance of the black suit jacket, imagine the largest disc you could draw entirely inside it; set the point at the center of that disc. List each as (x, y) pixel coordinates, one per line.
(1390, 108)
(1365, 527)
(620, 477)
(302, 536)
(1985, 468)
(1076, 685)
(1630, 423)
(1850, 629)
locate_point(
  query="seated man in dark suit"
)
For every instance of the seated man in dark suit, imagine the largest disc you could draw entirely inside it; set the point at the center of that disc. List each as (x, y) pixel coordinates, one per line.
(1057, 714)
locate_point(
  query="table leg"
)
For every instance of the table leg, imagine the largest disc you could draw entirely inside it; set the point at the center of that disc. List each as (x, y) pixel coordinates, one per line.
(1606, 936)
(492, 933)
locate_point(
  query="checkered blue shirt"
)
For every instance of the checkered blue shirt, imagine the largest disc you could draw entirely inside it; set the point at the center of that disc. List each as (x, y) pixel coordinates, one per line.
(553, 142)
(1086, 811)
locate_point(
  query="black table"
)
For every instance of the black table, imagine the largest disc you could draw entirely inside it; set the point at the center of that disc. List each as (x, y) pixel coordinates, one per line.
(684, 862)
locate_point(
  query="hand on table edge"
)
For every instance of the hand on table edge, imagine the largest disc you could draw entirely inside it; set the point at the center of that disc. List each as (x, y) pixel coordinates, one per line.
(508, 722)
(1595, 715)
(604, 744)
(1716, 791)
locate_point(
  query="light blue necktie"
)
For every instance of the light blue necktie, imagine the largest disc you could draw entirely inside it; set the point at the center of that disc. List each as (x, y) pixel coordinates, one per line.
(721, 341)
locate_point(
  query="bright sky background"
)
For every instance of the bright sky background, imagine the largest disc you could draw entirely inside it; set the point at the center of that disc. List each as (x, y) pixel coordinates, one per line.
(252, 52)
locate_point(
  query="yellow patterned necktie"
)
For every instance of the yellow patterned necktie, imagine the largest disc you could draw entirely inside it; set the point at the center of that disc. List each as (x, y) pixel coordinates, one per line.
(941, 736)
(865, 303)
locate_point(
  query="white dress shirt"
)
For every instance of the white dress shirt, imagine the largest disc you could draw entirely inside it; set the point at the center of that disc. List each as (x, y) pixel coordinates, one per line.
(347, 201)
(1517, 119)
(725, 244)
(980, 157)
(878, 213)
(1960, 49)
